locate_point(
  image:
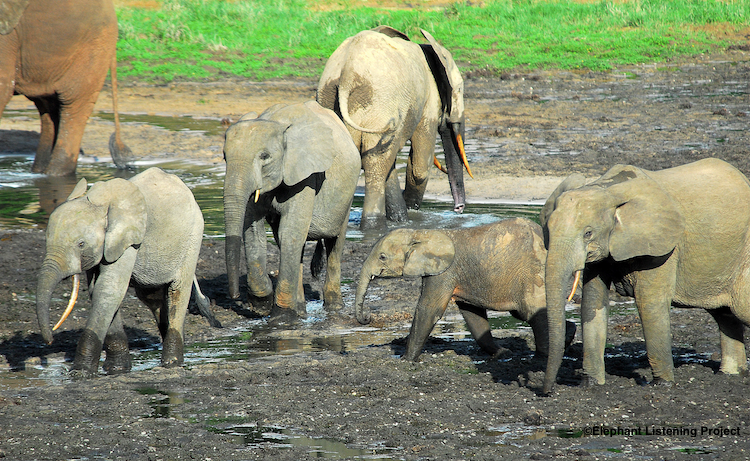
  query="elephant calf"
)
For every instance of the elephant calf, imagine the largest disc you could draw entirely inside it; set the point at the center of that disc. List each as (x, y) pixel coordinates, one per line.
(497, 266)
(145, 233)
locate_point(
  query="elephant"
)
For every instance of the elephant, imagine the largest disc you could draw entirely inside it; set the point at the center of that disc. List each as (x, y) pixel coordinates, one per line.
(388, 90)
(296, 168)
(57, 53)
(678, 236)
(498, 266)
(144, 233)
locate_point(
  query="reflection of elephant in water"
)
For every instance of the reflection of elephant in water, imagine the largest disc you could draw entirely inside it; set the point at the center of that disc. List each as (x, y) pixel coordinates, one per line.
(296, 168)
(388, 90)
(497, 266)
(679, 236)
(145, 233)
(56, 53)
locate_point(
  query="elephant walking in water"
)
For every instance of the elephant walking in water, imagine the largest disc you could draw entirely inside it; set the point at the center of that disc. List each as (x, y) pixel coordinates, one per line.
(679, 236)
(389, 90)
(57, 53)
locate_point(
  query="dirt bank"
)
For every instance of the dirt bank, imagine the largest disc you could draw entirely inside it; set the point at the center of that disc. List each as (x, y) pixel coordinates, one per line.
(529, 131)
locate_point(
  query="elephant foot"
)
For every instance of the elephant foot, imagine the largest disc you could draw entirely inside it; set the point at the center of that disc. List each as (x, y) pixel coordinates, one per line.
(172, 349)
(661, 382)
(118, 354)
(283, 317)
(261, 305)
(88, 352)
(588, 381)
(332, 302)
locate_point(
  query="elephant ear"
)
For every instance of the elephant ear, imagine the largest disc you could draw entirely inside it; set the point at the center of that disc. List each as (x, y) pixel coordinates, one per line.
(126, 215)
(447, 76)
(308, 149)
(79, 190)
(573, 181)
(10, 13)
(391, 32)
(648, 222)
(430, 252)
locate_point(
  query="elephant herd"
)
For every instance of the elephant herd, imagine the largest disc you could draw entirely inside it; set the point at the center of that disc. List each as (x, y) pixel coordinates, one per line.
(676, 237)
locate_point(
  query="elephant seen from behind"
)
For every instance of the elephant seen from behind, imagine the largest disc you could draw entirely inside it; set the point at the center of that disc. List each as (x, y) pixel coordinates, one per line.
(497, 266)
(389, 90)
(145, 233)
(679, 236)
(294, 167)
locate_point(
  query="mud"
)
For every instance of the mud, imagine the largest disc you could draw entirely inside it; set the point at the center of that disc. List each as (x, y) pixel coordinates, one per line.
(529, 131)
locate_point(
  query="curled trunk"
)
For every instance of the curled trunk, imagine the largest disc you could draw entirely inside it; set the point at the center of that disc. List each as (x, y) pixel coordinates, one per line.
(363, 314)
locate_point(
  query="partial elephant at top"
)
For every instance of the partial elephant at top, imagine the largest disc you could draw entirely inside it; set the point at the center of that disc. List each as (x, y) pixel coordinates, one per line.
(57, 53)
(389, 90)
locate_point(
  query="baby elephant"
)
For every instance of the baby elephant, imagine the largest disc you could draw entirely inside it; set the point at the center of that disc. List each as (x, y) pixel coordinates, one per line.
(497, 266)
(145, 233)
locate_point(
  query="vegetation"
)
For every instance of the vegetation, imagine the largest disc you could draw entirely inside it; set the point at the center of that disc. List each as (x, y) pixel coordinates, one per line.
(265, 39)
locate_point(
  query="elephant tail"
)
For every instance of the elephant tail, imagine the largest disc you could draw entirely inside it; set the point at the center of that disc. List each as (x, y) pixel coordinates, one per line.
(204, 305)
(121, 154)
(344, 108)
(316, 265)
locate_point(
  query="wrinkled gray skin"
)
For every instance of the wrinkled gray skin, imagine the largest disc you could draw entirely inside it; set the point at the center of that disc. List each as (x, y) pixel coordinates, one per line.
(388, 90)
(145, 233)
(57, 53)
(497, 266)
(679, 236)
(301, 162)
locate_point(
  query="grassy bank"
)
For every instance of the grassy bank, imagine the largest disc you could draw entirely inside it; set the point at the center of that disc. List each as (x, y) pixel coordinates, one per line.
(164, 40)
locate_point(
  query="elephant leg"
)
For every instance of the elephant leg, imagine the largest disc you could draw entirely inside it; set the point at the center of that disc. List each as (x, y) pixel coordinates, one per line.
(49, 112)
(594, 307)
(479, 326)
(430, 308)
(395, 206)
(116, 345)
(420, 160)
(540, 326)
(175, 309)
(731, 330)
(8, 58)
(109, 289)
(332, 288)
(154, 299)
(653, 298)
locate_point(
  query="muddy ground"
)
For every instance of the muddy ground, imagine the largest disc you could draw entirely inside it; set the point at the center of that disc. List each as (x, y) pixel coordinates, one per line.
(454, 403)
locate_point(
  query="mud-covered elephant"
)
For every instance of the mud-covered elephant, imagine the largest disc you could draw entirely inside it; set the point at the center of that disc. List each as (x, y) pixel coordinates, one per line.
(497, 266)
(679, 236)
(57, 53)
(389, 90)
(296, 168)
(144, 232)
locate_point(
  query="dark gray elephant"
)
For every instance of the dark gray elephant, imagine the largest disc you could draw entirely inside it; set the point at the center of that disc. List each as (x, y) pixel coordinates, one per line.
(389, 90)
(296, 168)
(497, 266)
(57, 53)
(679, 236)
(146, 233)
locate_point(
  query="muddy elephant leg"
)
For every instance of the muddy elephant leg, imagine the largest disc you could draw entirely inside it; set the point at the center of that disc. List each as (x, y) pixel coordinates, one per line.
(653, 299)
(73, 117)
(479, 326)
(109, 289)
(431, 306)
(594, 308)
(332, 288)
(731, 330)
(49, 113)
(116, 346)
(175, 310)
(8, 58)
(395, 206)
(418, 166)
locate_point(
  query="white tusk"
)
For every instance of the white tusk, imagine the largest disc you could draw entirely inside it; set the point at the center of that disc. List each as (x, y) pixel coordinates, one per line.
(71, 303)
(257, 194)
(576, 280)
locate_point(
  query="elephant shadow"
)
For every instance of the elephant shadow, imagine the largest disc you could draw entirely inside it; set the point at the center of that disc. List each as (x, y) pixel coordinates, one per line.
(20, 351)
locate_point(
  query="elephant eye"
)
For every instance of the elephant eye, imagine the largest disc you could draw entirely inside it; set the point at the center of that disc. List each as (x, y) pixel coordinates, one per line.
(587, 234)
(264, 155)
(81, 244)
(382, 257)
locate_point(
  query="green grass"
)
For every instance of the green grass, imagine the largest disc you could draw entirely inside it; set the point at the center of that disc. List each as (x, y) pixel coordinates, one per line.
(267, 39)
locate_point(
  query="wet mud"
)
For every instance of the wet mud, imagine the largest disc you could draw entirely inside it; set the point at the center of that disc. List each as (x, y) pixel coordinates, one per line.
(526, 132)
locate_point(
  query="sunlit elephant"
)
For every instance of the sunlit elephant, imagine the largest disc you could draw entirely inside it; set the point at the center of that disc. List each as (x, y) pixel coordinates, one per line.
(296, 168)
(146, 233)
(57, 53)
(389, 90)
(679, 236)
(497, 266)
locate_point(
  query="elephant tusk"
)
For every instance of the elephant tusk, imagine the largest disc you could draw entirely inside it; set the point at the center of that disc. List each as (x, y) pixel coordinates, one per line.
(576, 281)
(71, 303)
(462, 152)
(257, 194)
(440, 167)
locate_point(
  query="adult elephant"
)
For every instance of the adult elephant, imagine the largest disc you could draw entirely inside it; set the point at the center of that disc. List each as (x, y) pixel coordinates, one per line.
(389, 90)
(296, 168)
(679, 236)
(57, 53)
(146, 233)
(497, 266)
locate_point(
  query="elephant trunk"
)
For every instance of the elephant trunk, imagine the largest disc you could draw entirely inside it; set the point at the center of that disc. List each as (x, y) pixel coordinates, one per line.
(560, 270)
(454, 161)
(366, 274)
(49, 276)
(237, 191)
